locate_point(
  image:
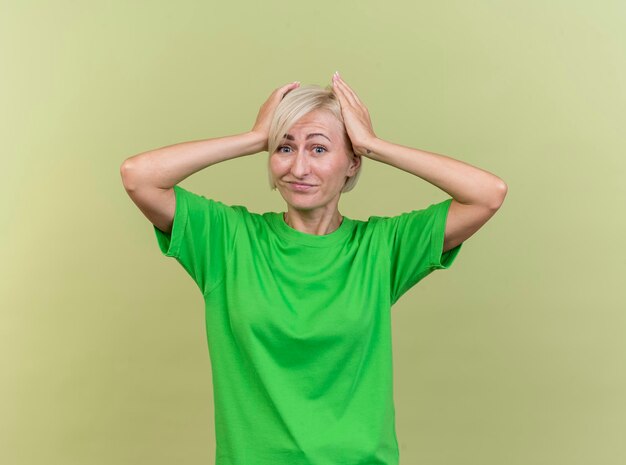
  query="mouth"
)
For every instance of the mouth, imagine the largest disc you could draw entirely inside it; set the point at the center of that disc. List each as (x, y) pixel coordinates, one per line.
(300, 186)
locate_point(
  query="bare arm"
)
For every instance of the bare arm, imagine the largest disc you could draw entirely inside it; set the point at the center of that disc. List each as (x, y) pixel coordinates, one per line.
(149, 177)
(167, 166)
(467, 184)
(476, 193)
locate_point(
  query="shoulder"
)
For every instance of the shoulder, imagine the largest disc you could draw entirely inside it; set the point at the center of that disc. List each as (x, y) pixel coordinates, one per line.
(408, 222)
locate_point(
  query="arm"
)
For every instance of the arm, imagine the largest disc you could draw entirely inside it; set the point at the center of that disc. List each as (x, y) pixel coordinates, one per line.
(149, 178)
(463, 182)
(476, 194)
(165, 167)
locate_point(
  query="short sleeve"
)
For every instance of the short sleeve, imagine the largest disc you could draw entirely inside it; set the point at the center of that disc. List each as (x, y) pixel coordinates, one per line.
(202, 237)
(415, 246)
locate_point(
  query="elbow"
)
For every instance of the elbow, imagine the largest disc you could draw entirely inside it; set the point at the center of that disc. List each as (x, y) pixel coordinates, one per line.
(499, 195)
(128, 173)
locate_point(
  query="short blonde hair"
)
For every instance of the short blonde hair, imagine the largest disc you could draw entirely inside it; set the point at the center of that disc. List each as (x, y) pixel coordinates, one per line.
(297, 103)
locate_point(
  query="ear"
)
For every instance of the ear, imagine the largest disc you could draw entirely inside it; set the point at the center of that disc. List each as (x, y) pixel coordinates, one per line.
(354, 164)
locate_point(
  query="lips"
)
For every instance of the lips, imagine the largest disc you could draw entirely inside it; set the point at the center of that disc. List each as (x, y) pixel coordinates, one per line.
(300, 187)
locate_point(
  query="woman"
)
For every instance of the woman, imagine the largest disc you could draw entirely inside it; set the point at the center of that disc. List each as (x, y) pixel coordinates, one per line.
(298, 303)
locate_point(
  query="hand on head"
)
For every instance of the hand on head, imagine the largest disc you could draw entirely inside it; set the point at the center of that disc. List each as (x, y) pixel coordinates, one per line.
(356, 118)
(355, 115)
(266, 113)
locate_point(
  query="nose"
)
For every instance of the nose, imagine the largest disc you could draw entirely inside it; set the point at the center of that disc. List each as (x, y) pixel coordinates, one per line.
(300, 164)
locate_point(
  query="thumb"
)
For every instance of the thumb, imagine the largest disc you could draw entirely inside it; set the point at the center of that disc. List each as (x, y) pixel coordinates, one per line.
(284, 90)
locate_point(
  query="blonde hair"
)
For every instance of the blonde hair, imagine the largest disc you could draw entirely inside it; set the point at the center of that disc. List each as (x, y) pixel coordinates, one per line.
(297, 103)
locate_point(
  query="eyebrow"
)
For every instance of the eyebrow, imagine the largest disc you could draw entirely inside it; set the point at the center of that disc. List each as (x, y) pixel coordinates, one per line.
(290, 137)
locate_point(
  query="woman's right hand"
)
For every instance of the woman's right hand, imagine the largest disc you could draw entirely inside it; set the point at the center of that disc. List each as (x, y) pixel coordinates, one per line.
(266, 113)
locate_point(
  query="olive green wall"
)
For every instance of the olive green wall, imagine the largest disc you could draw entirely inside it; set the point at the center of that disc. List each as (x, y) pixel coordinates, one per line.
(515, 355)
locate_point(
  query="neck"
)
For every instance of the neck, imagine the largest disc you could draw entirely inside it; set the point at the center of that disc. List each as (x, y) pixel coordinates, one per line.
(312, 223)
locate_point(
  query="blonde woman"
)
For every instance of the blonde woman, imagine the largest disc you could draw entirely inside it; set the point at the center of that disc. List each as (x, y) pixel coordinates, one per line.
(298, 302)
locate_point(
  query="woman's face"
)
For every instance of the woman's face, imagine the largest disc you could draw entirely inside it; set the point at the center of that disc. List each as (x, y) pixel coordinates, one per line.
(310, 165)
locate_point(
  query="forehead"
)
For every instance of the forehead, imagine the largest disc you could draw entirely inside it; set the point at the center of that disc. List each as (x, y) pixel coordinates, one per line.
(316, 121)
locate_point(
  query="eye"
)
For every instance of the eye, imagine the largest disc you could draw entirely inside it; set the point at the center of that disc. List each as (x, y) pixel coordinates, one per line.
(281, 147)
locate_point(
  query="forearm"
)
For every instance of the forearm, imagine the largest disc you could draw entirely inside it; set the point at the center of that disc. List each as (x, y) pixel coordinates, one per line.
(167, 166)
(465, 183)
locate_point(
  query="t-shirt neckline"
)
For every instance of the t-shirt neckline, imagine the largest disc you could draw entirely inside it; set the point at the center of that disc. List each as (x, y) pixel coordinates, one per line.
(293, 235)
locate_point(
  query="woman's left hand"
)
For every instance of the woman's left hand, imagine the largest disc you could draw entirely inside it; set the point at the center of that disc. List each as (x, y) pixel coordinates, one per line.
(355, 117)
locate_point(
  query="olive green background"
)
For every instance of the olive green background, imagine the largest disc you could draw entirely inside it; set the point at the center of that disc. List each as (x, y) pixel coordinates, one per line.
(515, 355)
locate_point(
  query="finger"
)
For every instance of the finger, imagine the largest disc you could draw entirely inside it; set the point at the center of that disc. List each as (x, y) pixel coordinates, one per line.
(353, 100)
(356, 100)
(341, 87)
(290, 84)
(349, 91)
(282, 91)
(338, 92)
(345, 89)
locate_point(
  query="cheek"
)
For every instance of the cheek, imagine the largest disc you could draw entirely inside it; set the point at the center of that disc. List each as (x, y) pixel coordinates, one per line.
(276, 165)
(338, 169)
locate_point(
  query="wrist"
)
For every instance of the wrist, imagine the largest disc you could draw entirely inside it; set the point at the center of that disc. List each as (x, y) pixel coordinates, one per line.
(257, 140)
(371, 147)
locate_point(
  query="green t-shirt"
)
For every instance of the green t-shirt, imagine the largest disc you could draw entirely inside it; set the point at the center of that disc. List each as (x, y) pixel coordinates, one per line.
(299, 326)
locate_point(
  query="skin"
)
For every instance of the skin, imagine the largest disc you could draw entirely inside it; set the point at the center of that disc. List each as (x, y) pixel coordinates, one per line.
(324, 163)
(476, 193)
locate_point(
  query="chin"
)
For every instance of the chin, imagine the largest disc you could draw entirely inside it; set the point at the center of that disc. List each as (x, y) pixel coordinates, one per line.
(301, 205)
(300, 202)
